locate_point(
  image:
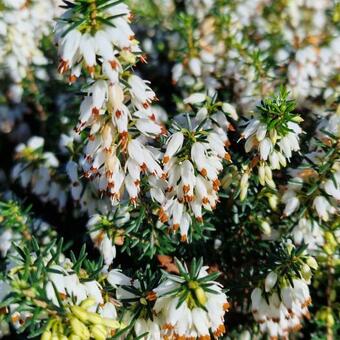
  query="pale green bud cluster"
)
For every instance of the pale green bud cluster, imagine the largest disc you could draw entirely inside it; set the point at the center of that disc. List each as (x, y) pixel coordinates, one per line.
(83, 325)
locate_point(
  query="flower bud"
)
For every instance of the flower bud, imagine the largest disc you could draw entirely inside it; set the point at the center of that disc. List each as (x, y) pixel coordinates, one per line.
(268, 172)
(200, 295)
(243, 193)
(330, 319)
(306, 272)
(228, 108)
(94, 318)
(80, 313)
(226, 181)
(273, 136)
(297, 119)
(282, 159)
(195, 67)
(265, 228)
(127, 56)
(330, 239)
(195, 98)
(87, 303)
(270, 183)
(245, 335)
(328, 250)
(273, 201)
(98, 332)
(321, 315)
(244, 180)
(262, 174)
(79, 328)
(47, 335)
(270, 281)
(333, 295)
(143, 301)
(312, 262)
(74, 337)
(290, 247)
(113, 324)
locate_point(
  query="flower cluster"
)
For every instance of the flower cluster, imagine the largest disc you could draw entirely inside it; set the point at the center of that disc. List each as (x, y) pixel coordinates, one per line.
(89, 316)
(116, 110)
(192, 306)
(188, 305)
(36, 168)
(17, 226)
(105, 232)
(234, 49)
(69, 298)
(192, 161)
(22, 26)
(309, 232)
(319, 188)
(282, 304)
(43, 172)
(309, 31)
(85, 194)
(274, 135)
(280, 315)
(212, 59)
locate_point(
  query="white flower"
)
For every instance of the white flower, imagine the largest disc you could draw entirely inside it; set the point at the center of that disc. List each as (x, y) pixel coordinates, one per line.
(51, 294)
(323, 207)
(291, 201)
(150, 327)
(74, 288)
(288, 144)
(116, 278)
(93, 291)
(332, 186)
(309, 232)
(177, 72)
(36, 142)
(251, 128)
(266, 147)
(6, 237)
(140, 91)
(108, 311)
(68, 48)
(200, 321)
(174, 144)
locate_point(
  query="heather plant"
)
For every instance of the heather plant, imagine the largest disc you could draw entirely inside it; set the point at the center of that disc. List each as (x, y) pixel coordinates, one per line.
(170, 169)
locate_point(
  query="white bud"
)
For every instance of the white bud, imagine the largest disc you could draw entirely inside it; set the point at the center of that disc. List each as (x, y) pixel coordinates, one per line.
(265, 228)
(273, 201)
(195, 98)
(262, 174)
(244, 180)
(270, 281)
(228, 108)
(195, 67)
